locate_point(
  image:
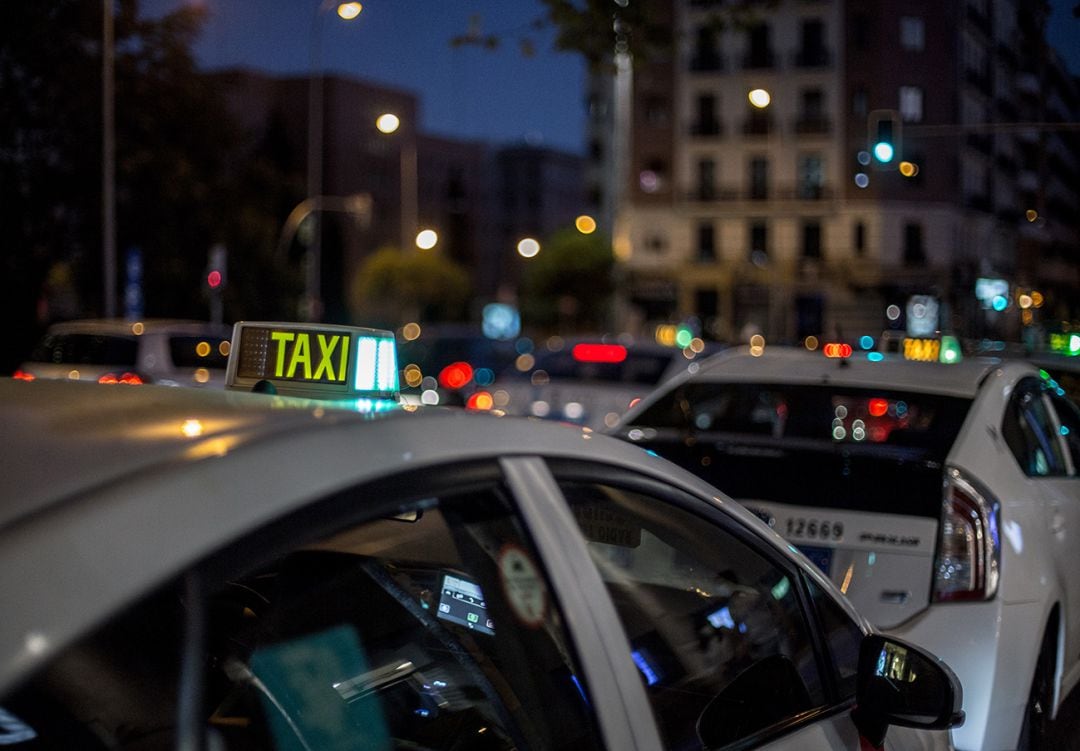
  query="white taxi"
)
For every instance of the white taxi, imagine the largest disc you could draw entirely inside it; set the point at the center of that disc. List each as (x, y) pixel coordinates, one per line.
(165, 351)
(943, 500)
(225, 570)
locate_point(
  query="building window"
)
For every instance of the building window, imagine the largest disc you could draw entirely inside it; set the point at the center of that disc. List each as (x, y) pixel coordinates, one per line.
(706, 241)
(706, 122)
(912, 35)
(706, 56)
(811, 177)
(914, 253)
(812, 114)
(655, 243)
(759, 178)
(911, 104)
(656, 111)
(859, 106)
(860, 31)
(706, 179)
(811, 239)
(706, 303)
(759, 53)
(813, 52)
(859, 239)
(759, 242)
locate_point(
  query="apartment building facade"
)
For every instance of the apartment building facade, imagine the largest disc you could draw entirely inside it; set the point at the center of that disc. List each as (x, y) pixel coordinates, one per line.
(753, 204)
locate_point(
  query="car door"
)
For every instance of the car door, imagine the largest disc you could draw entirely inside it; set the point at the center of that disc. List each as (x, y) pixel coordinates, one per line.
(1032, 429)
(736, 646)
(1064, 499)
(412, 612)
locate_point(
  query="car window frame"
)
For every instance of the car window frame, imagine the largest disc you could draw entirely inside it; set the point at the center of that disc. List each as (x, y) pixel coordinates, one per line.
(1034, 388)
(581, 470)
(623, 718)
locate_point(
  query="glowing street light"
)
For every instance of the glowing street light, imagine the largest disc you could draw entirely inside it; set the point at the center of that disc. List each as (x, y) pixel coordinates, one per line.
(387, 122)
(585, 224)
(528, 247)
(426, 239)
(760, 98)
(349, 11)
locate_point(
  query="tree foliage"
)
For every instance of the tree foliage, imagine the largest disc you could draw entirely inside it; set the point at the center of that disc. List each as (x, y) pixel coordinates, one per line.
(391, 288)
(567, 287)
(180, 187)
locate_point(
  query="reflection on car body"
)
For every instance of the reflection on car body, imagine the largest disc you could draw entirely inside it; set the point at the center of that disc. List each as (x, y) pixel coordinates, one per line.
(236, 570)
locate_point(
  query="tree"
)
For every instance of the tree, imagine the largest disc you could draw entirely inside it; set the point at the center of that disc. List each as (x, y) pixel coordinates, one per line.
(567, 287)
(392, 288)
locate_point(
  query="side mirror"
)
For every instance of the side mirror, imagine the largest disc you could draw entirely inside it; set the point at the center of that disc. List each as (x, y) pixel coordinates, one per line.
(901, 684)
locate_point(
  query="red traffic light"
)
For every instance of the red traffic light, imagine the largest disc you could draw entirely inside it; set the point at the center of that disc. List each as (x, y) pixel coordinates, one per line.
(214, 279)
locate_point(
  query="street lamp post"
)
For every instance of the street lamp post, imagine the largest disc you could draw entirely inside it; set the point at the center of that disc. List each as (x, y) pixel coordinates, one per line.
(313, 267)
(108, 155)
(389, 124)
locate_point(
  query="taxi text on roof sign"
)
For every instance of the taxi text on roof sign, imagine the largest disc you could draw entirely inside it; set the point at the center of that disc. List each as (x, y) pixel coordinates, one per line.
(313, 360)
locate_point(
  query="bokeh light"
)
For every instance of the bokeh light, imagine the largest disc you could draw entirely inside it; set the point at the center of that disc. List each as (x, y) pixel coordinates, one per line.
(760, 98)
(585, 224)
(426, 239)
(349, 11)
(528, 247)
(387, 122)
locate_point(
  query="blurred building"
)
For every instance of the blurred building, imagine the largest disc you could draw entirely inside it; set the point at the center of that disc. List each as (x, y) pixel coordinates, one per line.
(774, 216)
(378, 189)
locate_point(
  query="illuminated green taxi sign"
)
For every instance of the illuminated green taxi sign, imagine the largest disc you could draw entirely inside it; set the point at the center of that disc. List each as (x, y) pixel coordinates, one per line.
(313, 360)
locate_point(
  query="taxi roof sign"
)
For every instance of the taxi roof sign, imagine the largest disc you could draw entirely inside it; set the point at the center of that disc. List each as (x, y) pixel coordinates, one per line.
(318, 361)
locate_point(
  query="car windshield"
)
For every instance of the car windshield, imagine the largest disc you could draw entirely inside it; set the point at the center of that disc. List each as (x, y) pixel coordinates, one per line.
(868, 449)
(86, 349)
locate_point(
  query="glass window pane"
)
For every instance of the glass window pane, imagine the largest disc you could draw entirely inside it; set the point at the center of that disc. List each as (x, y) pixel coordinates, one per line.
(389, 634)
(715, 628)
(843, 636)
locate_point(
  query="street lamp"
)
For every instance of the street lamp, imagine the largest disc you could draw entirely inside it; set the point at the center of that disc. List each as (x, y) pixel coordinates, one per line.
(389, 123)
(346, 11)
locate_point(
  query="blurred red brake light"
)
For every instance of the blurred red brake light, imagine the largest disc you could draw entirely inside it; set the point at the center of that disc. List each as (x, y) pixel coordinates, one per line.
(599, 352)
(22, 375)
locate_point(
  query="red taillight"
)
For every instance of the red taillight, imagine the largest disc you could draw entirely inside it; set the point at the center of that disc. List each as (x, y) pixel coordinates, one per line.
(455, 375)
(969, 548)
(481, 400)
(598, 352)
(127, 378)
(22, 375)
(839, 350)
(878, 407)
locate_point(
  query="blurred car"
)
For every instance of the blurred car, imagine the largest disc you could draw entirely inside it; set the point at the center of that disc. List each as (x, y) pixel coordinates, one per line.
(274, 570)
(163, 351)
(589, 382)
(942, 499)
(446, 363)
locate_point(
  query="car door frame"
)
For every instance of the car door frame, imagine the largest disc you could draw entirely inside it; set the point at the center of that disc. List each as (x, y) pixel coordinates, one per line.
(837, 708)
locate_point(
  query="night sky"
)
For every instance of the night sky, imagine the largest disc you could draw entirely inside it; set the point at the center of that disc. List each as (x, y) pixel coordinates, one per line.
(502, 96)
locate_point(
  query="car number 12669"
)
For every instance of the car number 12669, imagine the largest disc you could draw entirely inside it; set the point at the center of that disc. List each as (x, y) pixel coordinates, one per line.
(814, 529)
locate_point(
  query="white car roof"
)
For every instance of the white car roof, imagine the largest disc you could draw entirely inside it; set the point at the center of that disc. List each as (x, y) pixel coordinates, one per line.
(122, 327)
(778, 364)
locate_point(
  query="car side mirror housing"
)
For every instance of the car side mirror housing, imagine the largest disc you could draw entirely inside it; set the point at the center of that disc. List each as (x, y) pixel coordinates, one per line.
(901, 684)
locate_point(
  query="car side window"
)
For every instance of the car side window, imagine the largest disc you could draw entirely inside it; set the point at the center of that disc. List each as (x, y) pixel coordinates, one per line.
(1069, 427)
(1030, 433)
(716, 628)
(843, 637)
(437, 633)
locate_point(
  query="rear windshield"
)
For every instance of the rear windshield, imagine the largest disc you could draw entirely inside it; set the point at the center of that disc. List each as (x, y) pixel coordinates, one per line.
(824, 446)
(637, 368)
(199, 351)
(86, 349)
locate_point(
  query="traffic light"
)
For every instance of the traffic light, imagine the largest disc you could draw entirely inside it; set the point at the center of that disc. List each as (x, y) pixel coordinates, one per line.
(883, 136)
(216, 268)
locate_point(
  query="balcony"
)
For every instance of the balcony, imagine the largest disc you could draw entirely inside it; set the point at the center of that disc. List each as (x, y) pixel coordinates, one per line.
(817, 125)
(707, 129)
(759, 60)
(757, 125)
(812, 58)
